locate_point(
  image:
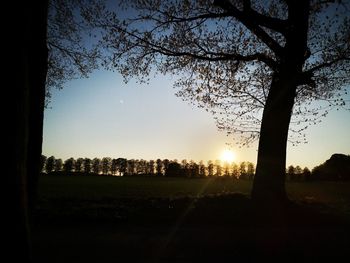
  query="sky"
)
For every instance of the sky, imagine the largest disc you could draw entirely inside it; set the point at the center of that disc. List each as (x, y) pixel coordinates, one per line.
(101, 116)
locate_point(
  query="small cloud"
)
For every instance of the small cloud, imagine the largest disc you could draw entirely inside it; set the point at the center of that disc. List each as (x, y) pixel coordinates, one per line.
(121, 101)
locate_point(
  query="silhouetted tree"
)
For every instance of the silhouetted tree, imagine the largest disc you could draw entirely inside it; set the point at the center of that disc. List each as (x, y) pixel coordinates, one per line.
(250, 61)
(78, 166)
(218, 168)
(149, 167)
(141, 166)
(87, 165)
(159, 167)
(202, 170)
(96, 165)
(28, 47)
(226, 167)
(106, 165)
(68, 165)
(298, 173)
(184, 164)
(210, 168)
(70, 42)
(43, 163)
(243, 170)
(194, 169)
(136, 166)
(165, 163)
(58, 165)
(235, 170)
(250, 170)
(26, 66)
(131, 167)
(335, 168)
(50, 164)
(306, 174)
(122, 166)
(291, 172)
(173, 169)
(114, 166)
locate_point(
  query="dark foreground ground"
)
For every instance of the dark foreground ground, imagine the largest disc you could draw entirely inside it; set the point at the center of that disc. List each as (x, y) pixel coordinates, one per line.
(217, 228)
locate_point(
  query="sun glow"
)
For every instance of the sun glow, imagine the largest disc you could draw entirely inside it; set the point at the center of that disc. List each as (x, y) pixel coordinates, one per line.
(228, 156)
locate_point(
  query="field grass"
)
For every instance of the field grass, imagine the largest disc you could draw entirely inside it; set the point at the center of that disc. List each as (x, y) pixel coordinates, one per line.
(328, 195)
(103, 187)
(102, 197)
(144, 219)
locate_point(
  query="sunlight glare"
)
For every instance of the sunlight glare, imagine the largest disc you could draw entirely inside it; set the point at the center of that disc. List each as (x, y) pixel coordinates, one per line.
(228, 156)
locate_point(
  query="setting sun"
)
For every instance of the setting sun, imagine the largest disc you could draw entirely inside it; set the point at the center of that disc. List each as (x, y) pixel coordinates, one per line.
(228, 156)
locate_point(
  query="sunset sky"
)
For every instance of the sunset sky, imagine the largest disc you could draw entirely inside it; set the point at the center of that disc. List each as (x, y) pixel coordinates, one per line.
(103, 117)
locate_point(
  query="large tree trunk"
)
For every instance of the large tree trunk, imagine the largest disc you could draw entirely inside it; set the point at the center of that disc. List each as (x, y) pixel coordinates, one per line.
(27, 52)
(269, 181)
(269, 178)
(15, 212)
(38, 57)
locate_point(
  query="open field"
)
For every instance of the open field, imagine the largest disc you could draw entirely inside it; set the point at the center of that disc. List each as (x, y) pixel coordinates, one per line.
(334, 195)
(109, 219)
(101, 187)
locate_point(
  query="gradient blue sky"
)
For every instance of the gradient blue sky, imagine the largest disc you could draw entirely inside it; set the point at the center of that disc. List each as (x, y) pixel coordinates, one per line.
(102, 116)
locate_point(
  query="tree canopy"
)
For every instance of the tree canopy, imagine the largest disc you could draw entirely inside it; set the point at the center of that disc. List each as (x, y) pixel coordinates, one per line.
(226, 53)
(72, 51)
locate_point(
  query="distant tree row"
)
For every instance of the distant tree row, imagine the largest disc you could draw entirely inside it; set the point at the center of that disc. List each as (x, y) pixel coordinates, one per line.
(296, 173)
(132, 167)
(336, 168)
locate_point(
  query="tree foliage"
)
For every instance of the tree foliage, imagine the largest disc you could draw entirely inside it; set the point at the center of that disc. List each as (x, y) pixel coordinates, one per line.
(335, 168)
(226, 53)
(72, 50)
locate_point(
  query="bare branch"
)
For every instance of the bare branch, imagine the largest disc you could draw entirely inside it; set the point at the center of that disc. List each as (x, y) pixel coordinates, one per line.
(309, 72)
(209, 55)
(253, 21)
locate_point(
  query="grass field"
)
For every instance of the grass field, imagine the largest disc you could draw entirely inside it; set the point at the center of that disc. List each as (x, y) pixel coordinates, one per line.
(142, 219)
(101, 187)
(328, 195)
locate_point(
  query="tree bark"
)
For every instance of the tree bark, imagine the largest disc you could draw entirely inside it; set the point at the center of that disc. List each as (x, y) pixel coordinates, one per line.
(38, 57)
(26, 53)
(269, 180)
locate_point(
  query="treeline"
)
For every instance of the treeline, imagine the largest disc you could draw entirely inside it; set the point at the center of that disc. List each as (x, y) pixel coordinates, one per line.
(336, 168)
(135, 167)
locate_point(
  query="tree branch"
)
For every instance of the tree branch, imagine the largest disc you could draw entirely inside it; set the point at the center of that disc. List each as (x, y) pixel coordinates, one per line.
(305, 78)
(193, 18)
(276, 24)
(211, 56)
(326, 64)
(253, 20)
